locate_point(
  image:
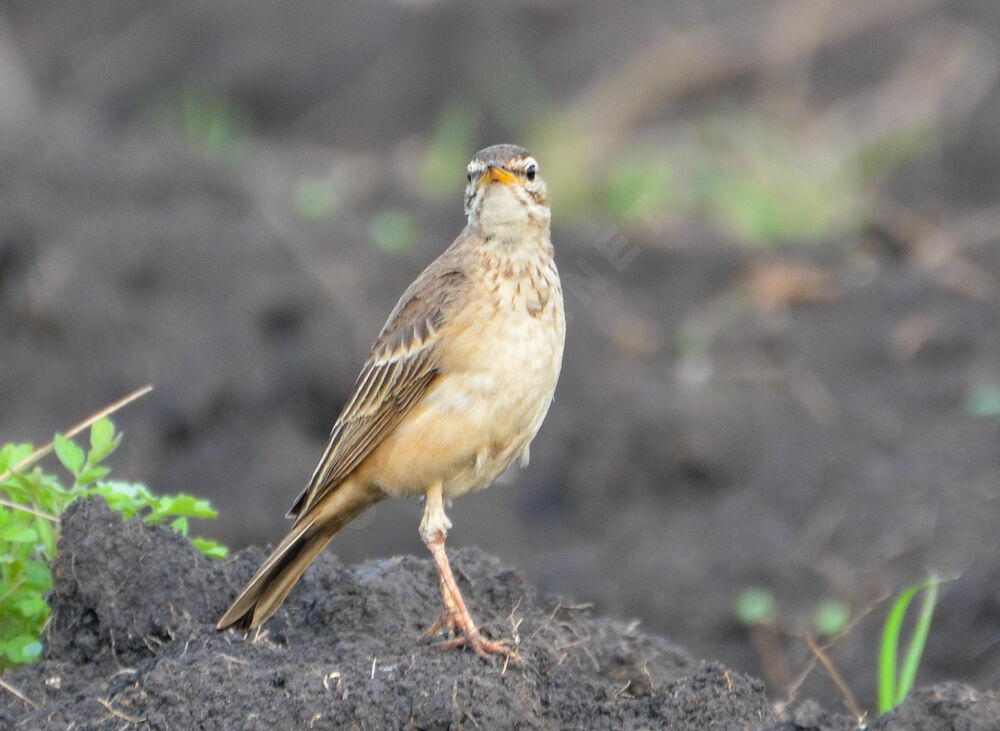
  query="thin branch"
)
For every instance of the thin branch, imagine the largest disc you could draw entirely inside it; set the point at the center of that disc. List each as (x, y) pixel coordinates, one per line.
(14, 691)
(28, 509)
(106, 411)
(792, 690)
(116, 712)
(838, 680)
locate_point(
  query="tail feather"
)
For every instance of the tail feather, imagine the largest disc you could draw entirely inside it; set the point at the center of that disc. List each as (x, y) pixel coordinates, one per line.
(307, 539)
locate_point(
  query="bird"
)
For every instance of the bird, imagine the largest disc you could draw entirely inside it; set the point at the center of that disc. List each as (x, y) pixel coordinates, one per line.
(455, 388)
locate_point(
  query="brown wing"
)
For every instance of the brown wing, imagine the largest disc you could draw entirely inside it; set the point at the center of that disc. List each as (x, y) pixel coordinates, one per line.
(401, 366)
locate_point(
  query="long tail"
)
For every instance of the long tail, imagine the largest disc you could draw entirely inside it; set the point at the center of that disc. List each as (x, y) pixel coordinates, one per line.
(307, 539)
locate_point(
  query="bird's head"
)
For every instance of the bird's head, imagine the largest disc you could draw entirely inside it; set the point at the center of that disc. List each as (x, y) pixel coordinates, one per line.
(506, 194)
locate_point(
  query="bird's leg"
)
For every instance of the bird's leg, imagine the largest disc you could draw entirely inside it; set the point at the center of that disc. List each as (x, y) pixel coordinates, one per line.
(433, 530)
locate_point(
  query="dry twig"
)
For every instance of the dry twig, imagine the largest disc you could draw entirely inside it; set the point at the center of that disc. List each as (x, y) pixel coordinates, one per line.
(14, 691)
(73, 431)
(837, 678)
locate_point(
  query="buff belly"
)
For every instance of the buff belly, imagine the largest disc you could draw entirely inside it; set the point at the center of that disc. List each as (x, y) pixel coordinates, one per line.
(480, 414)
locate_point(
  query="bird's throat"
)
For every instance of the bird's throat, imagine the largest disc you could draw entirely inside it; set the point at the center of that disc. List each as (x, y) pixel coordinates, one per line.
(504, 217)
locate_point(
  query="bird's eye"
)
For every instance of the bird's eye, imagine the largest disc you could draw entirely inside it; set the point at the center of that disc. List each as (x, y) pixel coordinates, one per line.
(530, 172)
(468, 176)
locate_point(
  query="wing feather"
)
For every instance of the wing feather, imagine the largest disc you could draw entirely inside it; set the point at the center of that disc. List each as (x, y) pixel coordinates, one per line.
(402, 365)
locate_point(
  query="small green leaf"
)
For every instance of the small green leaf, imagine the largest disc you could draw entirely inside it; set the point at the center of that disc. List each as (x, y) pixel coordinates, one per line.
(161, 511)
(181, 504)
(23, 649)
(71, 456)
(38, 576)
(200, 508)
(18, 534)
(124, 497)
(20, 488)
(11, 454)
(46, 536)
(101, 434)
(20, 552)
(125, 490)
(210, 548)
(180, 525)
(92, 475)
(32, 606)
(97, 454)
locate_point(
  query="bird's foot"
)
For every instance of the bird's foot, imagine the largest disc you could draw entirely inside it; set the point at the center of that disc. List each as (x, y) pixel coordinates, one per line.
(463, 633)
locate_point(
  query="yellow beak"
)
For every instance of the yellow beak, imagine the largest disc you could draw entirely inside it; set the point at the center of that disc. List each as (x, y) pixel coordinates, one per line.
(495, 173)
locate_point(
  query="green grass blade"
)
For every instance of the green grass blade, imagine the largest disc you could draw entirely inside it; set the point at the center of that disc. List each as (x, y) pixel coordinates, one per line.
(893, 688)
(890, 648)
(918, 640)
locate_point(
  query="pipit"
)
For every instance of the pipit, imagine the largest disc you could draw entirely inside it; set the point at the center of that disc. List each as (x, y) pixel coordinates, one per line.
(453, 391)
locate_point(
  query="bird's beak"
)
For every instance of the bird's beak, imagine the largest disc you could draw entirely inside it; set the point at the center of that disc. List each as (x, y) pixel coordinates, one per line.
(495, 173)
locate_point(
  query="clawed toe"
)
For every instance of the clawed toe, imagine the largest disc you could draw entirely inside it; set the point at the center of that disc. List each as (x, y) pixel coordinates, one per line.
(472, 638)
(482, 646)
(446, 621)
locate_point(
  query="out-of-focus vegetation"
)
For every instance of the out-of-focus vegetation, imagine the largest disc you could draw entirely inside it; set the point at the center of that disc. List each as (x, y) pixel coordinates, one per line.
(393, 230)
(753, 178)
(314, 199)
(984, 402)
(210, 121)
(448, 151)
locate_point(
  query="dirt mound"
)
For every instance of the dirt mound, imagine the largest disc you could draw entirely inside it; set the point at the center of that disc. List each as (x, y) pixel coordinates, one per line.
(132, 641)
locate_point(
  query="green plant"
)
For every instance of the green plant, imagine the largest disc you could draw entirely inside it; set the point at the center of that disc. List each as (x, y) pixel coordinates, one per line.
(757, 182)
(892, 687)
(448, 152)
(639, 187)
(315, 199)
(30, 505)
(393, 230)
(983, 402)
(755, 605)
(209, 121)
(831, 617)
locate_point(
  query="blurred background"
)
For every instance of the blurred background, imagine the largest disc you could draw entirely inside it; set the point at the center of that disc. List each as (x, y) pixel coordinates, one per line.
(777, 224)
